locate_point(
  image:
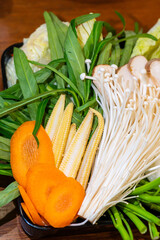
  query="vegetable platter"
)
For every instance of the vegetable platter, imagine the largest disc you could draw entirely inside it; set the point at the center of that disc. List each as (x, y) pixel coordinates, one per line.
(79, 127)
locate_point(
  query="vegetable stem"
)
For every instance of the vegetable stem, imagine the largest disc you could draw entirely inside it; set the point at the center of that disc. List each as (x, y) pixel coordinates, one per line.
(141, 212)
(138, 223)
(117, 222)
(146, 187)
(153, 231)
(61, 75)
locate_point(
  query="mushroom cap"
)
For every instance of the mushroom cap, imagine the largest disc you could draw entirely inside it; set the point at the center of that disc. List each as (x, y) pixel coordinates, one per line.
(153, 70)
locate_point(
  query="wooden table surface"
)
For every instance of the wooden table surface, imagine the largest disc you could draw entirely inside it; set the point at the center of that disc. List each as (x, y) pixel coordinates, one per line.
(18, 19)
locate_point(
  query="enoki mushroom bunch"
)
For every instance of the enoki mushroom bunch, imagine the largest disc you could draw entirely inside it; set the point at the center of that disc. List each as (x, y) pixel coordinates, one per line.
(130, 143)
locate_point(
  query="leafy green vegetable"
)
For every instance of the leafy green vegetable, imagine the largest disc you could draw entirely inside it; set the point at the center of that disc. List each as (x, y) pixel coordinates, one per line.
(105, 52)
(5, 141)
(4, 155)
(129, 44)
(26, 79)
(75, 60)
(39, 117)
(9, 193)
(85, 18)
(55, 46)
(61, 28)
(71, 84)
(116, 54)
(154, 233)
(122, 20)
(6, 172)
(117, 222)
(141, 212)
(5, 166)
(43, 74)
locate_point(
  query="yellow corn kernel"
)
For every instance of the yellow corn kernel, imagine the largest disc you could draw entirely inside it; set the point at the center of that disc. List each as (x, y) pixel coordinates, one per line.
(62, 134)
(72, 158)
(71, 135)
(55, 118)
(85, 169)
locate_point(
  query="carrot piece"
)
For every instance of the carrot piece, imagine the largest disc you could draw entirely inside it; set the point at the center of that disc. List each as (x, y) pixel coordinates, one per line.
(25, 151)
(25, 209)
(63, 203)
(33, 212)
(41, 178)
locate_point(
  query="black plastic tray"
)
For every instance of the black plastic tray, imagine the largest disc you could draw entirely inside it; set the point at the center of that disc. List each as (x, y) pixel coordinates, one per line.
(7, 54)
(36, 231)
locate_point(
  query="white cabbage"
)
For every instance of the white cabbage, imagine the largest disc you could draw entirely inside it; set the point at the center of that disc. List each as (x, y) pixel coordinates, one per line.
(36, 48)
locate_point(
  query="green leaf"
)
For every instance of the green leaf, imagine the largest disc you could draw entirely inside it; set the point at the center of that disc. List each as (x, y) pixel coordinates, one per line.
(77, 118)
(97, 31)
(26, 79)
(7, 110)
(4, 147)
(5, 166)
(9, 124)
(5, 172)
(10, 193)
(88, 46)
(43, 74)
(98, 49)
(122, 19)
(86, 18)
(139, 35)
(6, 128)
(75, 60)
(39, 117)
(116, 54)
(86, 105)
(5, 140)
(54, 45)
(9, 96)
(91, 44)
(136, 27)
(109, 28)
(61, 28)
(105, 52)
(4, 155)
(17, 117)
(67, 80)
(13, 90)
(127, 51)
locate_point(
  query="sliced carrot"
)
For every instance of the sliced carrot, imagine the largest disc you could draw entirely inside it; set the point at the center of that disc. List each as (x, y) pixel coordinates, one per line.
(32, 210)
(25, 151)
(41, 178)
(63, 203)
(25, 209)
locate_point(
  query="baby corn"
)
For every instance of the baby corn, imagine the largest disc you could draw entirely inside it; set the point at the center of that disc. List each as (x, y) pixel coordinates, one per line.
(72, 159)
(71, 135)
(55, 118)
(60, 140)
(85, 169)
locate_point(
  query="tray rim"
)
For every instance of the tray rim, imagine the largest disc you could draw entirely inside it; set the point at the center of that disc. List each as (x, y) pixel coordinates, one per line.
(6, 55)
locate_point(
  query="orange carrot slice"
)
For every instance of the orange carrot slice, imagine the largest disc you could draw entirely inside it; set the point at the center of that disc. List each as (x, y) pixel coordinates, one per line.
(25, 209)
(41, 178)
(63, 203)
(25, 151)
(33, 212)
